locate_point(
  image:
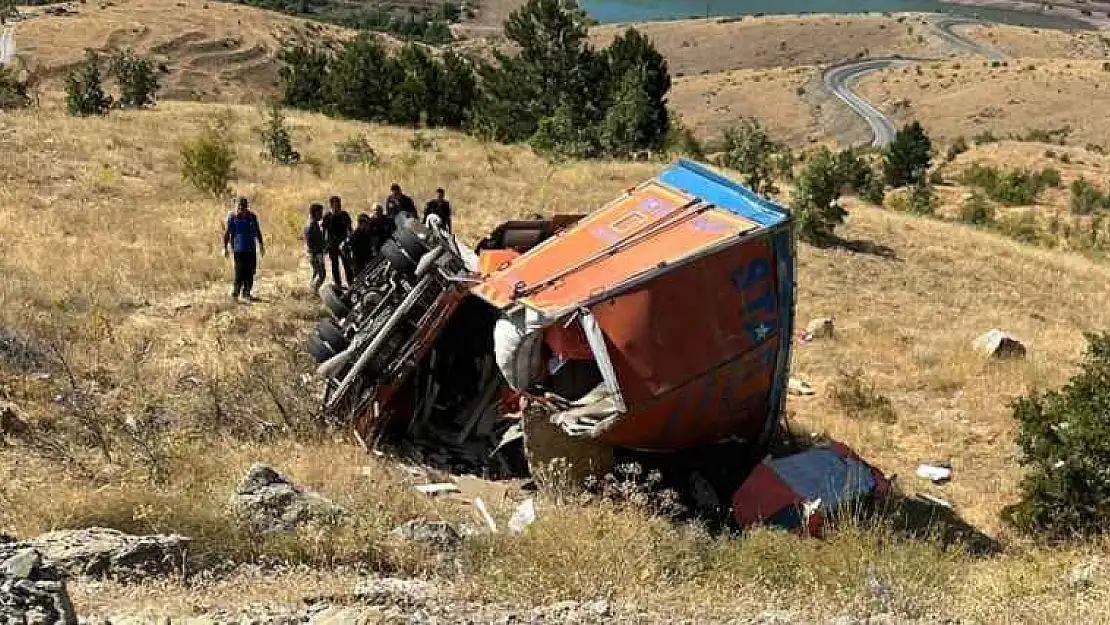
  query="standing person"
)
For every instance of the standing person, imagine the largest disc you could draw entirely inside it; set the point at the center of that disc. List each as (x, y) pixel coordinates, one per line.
(362, 244)
(381, 227)
(399, 206)
(337, 227)
(316, 245)
(441, 208)
(241, 234)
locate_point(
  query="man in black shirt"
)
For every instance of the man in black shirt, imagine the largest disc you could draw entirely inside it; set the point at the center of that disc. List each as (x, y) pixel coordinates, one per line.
(441, 208)
(399, 206)
(316, 245)
(361, 244)
(337, 227)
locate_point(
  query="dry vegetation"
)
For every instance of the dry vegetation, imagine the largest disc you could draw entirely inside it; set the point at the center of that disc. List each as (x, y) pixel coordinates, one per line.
(967, 97)
(213, 51)
(106, 246)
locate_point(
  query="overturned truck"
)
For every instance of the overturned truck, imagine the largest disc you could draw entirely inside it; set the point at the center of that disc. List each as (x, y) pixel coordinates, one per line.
(659, 324)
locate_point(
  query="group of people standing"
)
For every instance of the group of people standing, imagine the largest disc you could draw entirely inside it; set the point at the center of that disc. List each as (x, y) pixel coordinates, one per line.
(331, 235)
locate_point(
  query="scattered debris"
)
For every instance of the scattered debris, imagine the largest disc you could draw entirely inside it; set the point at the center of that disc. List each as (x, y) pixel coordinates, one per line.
(436, 533)
(936, 500)
(998, 344)
(1086, 574)
(820, 328)
(937, 473)
(800, 491)
(266, 503)
(487, 518)
(798, 387)
(524, 516)
(32, 590)
(98, 551)
(436, 489)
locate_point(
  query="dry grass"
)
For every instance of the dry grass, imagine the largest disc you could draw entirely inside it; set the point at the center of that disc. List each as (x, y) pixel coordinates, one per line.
(708, 46)
(778, 97)
(1033, 43)
(214, 51)
(107, 245)
(965, 97)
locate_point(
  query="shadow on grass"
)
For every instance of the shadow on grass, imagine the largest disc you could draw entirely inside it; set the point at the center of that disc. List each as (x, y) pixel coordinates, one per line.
(918, 518)
(856, 246)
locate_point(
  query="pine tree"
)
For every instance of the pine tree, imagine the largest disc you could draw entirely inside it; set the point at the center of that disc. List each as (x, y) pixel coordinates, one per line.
(909, 157)
(137, 81)
(750, 151)
(362, 80)
(634, 52)
(304, 77)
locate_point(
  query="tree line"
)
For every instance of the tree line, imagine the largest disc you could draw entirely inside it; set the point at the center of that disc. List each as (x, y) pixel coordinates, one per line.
(555, 91)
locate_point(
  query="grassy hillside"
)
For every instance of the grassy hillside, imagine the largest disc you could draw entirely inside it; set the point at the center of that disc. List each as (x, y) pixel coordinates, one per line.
(114, 262)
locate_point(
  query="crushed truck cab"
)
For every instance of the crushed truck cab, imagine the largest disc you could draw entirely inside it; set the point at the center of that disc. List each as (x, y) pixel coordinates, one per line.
(660, 322)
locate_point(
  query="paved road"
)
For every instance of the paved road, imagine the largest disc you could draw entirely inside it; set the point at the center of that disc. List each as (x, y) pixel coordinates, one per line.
(7, 45)
(836, 78)
(944, 27)
(836, 82)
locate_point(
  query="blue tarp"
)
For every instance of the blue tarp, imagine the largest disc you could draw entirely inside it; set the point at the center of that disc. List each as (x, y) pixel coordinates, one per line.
(723, 193)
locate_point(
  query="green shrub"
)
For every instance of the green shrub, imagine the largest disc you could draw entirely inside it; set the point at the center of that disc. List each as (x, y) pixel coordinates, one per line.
(852, 171)
(875, 192)
(1086, 198)
(208, 161)
(1064, 436)
(681, 140)
(421, 142)
(908, 158)
(356, 150)
(14, 93)
(137, 80)
(976, 210)
(751, 151)
(984, 138)
(276, 138)
(1020, 227)
(922, 198)
(85, 89)
(860, 399)
(1016, 187)
(958, 147)
(815, 201)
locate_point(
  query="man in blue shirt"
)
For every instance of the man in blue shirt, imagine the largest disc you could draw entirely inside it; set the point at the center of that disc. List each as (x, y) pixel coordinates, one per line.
(241, 234)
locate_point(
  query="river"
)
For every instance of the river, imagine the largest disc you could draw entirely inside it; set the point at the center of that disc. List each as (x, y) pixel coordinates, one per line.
(622, 11)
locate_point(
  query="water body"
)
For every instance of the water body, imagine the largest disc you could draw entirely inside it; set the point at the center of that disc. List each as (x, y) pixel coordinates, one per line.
(623, 11)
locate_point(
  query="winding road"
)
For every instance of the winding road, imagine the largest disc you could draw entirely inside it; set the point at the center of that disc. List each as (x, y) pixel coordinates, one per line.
(837, 77)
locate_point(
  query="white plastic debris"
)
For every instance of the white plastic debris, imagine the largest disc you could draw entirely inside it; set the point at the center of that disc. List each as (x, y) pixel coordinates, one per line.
(937, 501)
(436, 489)
(480, 506)
(525, 515)
(934, 473)
(798, 387)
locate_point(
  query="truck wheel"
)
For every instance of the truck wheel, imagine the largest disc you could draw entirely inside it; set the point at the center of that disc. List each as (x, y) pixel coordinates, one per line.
(401, 263)
(410, 243)
(332, 335)
(319, 349)
(329, 294)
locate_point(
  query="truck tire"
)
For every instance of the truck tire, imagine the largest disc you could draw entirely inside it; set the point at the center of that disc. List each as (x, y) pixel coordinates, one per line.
(319, 349)
(330, 296)
(400, 261)
(332, 335)
(410, 243)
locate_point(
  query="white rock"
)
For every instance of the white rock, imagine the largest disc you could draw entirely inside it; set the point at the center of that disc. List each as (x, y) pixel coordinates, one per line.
(998, 344)
(820, 328)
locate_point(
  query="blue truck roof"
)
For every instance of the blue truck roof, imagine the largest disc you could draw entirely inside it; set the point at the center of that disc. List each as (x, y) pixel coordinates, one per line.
(711, 187)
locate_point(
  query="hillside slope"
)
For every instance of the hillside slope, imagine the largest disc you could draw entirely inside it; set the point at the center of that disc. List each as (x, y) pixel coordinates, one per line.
(212, 51)
(141, 260)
